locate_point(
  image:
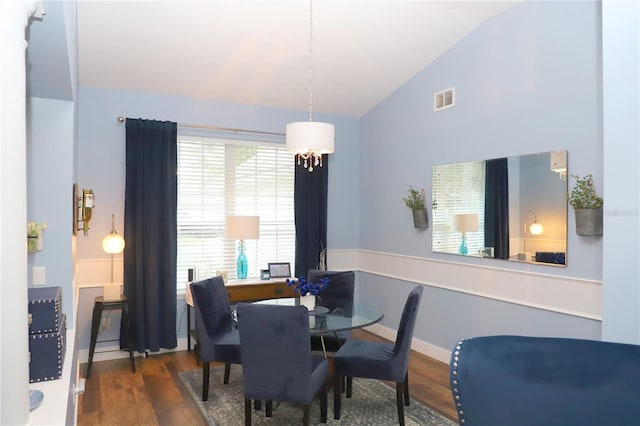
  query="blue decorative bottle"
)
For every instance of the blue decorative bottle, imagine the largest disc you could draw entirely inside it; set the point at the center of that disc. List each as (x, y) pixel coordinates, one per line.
(463, 245)
(242, 266)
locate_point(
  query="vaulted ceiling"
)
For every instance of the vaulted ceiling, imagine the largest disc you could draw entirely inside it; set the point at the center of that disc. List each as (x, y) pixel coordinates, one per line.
(257, 52)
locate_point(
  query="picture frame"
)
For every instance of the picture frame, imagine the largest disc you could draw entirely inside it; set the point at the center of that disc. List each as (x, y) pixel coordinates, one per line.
(279, 270)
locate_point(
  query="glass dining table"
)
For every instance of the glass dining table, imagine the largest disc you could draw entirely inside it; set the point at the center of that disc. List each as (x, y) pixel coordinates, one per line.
(322, 321)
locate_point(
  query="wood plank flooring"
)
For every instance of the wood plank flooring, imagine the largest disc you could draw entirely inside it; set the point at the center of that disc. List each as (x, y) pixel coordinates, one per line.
(155, 395)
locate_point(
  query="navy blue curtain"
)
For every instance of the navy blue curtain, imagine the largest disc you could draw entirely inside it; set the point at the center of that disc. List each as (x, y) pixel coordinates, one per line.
(150, 212)
(496, 207)
(310, 205)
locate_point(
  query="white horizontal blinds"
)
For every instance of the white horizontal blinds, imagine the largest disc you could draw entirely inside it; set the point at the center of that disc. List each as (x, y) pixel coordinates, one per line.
(458, 188)
(219, 177)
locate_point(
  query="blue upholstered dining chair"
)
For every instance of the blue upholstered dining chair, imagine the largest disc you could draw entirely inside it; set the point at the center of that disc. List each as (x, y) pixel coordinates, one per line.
(509, 380)
(277, 364)
(379, 360)
(338, 298)
(218, 339)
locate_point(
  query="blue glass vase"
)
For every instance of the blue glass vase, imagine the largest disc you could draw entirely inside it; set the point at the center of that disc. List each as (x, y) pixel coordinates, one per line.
(463, 245)
(242, 266)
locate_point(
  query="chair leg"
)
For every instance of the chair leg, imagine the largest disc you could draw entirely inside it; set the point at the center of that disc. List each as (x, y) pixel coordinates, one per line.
(406, 389)
(268, 408)
(227, 372)
(205, 381)
(399, 403)
(305, 416)
(323, 404)
(257, 404)
(247, 412)
(349, 386)
(337, 396)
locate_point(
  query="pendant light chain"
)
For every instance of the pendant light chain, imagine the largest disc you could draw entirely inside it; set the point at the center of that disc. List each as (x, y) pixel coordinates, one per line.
(311, 60)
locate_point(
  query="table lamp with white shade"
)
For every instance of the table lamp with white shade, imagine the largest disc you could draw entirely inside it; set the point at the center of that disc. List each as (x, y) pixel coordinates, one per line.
(242, 228)
(112, 244)
(465, 222)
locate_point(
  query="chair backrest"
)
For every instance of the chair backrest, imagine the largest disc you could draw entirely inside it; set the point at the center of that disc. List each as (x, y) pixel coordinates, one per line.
(339, 293)
(402, 347)
(212, 312)
(504, 380)
(276, 351)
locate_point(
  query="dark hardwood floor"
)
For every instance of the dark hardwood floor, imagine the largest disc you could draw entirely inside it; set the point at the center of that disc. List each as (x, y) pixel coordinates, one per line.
(154, 395)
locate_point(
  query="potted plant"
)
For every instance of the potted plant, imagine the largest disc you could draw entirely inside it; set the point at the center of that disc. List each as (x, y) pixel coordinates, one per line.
(416, 202)
(587, 206)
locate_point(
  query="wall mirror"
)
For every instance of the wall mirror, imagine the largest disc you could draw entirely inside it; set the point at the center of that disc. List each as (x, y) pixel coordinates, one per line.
(512, 208)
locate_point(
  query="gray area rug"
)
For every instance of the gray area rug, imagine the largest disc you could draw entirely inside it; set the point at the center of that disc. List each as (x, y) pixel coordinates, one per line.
(373, 403)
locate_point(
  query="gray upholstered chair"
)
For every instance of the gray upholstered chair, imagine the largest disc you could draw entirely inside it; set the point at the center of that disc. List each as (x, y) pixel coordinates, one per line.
(379, 360)
(218, 339)
(338, 298)
(509, 380)
(277, 364)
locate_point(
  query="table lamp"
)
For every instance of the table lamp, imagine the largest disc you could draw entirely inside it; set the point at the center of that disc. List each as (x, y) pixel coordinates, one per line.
(535, 228)
(112, 244)
(242, 228)
(465, 222)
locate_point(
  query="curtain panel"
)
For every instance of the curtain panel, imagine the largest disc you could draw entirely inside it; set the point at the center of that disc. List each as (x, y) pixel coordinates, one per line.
(310, 205)
(496, 207)
(150, 233)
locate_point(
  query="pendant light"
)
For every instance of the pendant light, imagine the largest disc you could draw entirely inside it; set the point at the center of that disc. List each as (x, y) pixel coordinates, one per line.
(309, 140)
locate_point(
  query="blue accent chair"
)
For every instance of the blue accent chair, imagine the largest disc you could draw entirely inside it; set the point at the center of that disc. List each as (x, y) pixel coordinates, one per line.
(338, 298)
(277, 364)
(519, 380)
(379, 360)
(218, 339)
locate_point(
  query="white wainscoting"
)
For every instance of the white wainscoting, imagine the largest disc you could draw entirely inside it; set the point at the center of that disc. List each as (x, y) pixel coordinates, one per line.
(567, 295)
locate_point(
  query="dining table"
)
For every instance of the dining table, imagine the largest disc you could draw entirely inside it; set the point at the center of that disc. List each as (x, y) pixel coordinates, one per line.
(322, 321)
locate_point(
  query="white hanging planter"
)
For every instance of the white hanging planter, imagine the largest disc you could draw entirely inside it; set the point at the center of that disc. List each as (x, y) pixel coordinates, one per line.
(35, 244)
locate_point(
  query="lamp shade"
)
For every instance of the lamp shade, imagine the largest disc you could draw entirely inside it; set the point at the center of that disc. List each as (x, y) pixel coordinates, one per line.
(310, 136)
(113, 243)
(465, 222)
(536, 228)
(242, 227)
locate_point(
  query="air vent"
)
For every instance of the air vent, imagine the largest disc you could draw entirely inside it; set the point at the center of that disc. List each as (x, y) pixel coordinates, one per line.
(444, 99)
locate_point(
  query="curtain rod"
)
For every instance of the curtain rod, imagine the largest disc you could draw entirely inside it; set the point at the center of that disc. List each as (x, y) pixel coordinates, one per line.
(224, 129)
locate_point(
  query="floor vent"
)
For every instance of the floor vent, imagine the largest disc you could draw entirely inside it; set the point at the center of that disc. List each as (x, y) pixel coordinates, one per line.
(444, 99)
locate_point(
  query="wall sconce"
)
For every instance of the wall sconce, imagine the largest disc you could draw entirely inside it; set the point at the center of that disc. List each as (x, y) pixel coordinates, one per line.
(559, 163)
(112, 244)
(242, 228)
(465, 222)
(82, 209)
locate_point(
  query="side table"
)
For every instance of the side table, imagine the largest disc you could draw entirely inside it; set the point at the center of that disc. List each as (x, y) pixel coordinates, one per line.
(99, 307)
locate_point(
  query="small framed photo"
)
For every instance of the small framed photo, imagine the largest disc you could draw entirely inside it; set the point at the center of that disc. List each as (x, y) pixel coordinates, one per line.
(264, 274)
(279, 270)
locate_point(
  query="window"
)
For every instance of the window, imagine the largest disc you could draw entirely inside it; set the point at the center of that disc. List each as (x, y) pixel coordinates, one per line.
(220, 177)
(457, 188)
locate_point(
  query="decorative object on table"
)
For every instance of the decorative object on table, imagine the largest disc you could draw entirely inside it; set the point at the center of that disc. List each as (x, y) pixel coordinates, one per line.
(371, 407)
(35, 239)
(47, 333)
(465, 222)
(416, 202)
(535, 228)
(308, 290)
(242, 228)
(279, 270)
(587, 206)
(264, 274)
(35, 398)
(112, 244)
(309, 140)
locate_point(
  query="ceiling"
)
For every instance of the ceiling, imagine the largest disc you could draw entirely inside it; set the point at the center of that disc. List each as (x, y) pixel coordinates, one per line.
(257, 52)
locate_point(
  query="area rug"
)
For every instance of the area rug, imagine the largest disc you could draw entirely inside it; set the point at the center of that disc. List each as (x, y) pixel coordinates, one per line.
(372, 403)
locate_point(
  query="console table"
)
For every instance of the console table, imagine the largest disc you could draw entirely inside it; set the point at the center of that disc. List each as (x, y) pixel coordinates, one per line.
(248, 290)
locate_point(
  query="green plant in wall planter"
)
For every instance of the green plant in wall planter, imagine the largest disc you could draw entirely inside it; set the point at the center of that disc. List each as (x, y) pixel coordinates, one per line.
(587, 206)
(415, 200)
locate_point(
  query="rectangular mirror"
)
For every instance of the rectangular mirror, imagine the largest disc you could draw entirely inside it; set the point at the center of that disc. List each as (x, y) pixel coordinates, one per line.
(512, 208)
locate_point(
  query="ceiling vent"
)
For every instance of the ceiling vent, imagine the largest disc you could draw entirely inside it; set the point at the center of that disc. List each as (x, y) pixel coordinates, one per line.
(444, 99)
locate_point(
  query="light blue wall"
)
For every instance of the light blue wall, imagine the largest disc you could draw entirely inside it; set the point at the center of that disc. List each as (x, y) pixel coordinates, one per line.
(527, 81)
(50, 169)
